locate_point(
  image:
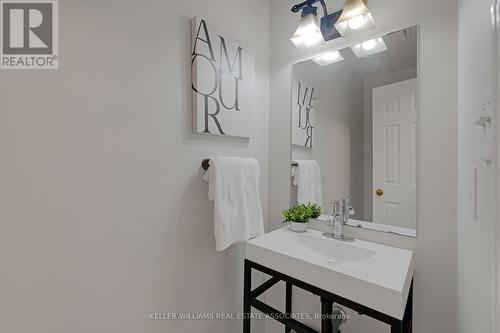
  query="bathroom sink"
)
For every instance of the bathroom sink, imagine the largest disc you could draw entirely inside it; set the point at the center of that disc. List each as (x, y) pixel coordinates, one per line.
(325, 250)
(370, 274)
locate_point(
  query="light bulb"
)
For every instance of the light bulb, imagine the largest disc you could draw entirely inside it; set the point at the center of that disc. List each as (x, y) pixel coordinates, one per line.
(369, 44)
(328, 58)
(357, 22)
(369, 47)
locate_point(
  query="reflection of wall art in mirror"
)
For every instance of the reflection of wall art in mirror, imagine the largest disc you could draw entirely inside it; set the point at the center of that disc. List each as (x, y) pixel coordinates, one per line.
(223, 89)
(303, 108)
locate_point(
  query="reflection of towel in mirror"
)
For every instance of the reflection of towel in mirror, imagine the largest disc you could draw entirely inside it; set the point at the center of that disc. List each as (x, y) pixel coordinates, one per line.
(308, 182)
(234, 189)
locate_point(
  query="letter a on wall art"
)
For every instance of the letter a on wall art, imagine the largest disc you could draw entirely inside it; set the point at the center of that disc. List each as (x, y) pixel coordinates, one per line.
(223, 83)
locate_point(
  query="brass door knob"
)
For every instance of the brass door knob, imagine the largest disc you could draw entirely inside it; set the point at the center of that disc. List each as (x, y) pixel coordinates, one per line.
(379, 192)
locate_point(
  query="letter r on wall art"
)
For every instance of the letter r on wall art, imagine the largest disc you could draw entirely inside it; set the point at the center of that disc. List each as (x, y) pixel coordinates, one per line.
(223, 83)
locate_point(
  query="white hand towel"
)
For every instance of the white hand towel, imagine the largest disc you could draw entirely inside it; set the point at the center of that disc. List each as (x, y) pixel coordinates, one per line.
(234, 189)
(308, 182)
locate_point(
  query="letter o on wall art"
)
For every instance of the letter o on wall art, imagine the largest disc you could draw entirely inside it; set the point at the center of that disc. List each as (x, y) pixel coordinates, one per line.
(223, 83)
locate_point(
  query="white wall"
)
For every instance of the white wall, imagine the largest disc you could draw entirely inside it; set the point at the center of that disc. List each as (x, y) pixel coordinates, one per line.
(435, 245)
(475, 246)
(103, 214)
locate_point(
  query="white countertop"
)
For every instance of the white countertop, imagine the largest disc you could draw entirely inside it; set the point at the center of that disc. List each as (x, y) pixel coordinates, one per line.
(371, 274)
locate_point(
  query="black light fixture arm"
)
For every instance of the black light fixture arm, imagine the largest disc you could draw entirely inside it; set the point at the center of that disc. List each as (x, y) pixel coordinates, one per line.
(306, 3)
(327, 21)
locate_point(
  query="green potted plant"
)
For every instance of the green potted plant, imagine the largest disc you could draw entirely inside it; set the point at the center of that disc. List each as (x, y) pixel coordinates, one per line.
(299, 216)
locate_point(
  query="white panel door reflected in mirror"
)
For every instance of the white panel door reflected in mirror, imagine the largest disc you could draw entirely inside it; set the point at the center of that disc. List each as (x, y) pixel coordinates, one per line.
(355, 112)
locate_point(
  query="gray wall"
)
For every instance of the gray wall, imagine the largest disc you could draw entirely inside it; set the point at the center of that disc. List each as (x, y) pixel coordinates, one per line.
(476, 242)
(435, 245)
(104, 216)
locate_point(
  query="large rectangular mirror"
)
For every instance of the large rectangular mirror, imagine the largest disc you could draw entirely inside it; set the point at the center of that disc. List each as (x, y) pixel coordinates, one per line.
(355, 113)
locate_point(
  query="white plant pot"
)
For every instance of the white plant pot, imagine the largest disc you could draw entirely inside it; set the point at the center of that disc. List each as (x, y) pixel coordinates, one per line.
(299, 227)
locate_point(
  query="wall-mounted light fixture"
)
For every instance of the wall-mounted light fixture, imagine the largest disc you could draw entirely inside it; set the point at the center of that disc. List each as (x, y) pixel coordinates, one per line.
(311, 31)
(368, 47)
(328, 58)
(308, 33)
(355, 17)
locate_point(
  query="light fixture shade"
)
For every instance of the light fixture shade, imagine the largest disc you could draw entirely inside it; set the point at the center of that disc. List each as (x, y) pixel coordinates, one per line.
(308, 33)
(356, 17)
(368, 47)
(328, 58)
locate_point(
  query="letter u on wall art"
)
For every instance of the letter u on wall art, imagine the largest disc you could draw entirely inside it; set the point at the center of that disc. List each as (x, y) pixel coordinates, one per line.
(223, 83)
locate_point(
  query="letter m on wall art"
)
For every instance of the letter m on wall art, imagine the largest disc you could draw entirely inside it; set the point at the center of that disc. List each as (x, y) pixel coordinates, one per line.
(223, 83)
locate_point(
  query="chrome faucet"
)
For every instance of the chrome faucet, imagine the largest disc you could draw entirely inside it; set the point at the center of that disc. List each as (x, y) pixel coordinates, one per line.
(336, 216)
(341, 211)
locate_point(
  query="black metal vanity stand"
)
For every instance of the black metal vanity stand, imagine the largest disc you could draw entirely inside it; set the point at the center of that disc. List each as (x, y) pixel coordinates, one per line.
(327, 300)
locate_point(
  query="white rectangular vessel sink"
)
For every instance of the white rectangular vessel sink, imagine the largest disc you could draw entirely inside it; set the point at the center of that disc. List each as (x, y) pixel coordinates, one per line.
(374, 275)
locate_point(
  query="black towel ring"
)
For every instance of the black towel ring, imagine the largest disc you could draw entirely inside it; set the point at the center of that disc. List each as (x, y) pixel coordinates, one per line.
(205, 164)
